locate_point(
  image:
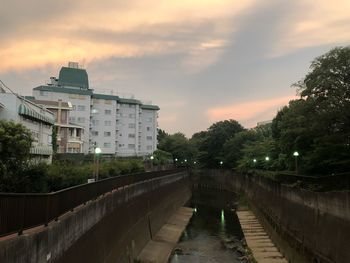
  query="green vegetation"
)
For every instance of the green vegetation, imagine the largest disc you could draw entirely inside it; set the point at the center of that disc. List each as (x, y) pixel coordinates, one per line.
(19, 174)
(178, 146)
(59, 175)
(317, 126)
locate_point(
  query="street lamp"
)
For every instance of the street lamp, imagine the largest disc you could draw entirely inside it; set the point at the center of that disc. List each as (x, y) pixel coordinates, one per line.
(254, 160)
(97, 151)
(296, 155)
(152, 157)
(221, 163)
(267, 158)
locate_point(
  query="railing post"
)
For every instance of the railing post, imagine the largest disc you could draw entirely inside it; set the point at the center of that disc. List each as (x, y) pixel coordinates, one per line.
(48, 197)
(20, 231)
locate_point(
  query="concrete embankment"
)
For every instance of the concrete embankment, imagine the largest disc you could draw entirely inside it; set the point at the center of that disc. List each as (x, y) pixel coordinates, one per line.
(113, 228)
(158, 250)
(263, 249)
(307, 226)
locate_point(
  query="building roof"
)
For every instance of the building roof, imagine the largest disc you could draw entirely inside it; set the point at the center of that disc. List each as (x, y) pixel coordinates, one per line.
(128, 101)
(30, 113)
(104, 97)
(53, 104)
(87, 92)
(150, 107)
(75, 77)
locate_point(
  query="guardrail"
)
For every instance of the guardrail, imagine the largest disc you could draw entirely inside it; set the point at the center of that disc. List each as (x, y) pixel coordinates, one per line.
(20, 211)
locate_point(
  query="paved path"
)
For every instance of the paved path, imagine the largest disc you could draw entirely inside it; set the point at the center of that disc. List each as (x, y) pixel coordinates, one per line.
(159, 249)
(264, 251)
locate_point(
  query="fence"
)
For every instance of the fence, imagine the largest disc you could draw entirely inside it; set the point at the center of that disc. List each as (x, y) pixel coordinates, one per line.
(22, 211)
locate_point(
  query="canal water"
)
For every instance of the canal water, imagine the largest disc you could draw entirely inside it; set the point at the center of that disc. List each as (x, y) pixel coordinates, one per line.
(214, 233)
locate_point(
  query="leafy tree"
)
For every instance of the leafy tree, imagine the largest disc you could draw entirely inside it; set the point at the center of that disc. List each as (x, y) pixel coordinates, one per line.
(161, 135)
(217, 135)
(15, 143)
(232, 149)
(179, 146)
(258, 151)
(54, 139)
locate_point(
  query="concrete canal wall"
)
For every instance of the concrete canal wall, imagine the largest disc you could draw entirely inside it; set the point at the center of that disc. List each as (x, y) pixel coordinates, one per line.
(316, 225)
(113, 228)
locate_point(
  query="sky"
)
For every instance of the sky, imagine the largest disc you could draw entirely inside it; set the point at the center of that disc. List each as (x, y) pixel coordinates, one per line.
(200, 61)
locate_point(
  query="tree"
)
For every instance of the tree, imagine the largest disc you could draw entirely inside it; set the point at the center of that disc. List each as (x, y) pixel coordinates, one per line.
(328, 86)
(161, 135)
(318, 124)
(179, 146)
(232, 149)
(15, 143)
(54, 139)
(217, 135)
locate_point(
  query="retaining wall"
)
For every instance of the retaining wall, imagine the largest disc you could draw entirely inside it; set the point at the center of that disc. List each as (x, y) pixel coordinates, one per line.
(315, 224)
(113, 228)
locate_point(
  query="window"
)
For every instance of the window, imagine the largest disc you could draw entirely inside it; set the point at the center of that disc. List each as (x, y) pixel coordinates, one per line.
(107, 145)
(131, 115)
(81, 107)
(132, 125)
(71, 119)
(43, 93)
(94, 111)
(95, 101)
(108, 123)
(95, 122)
(149, 119)
(148, 128)
(81, 119)
(74, 107)
(131, 146)
(94, 133)
(108, 112)
(108, 102)
(132, 106)
(149, 147)
(131, 135)
(149, 138)
(107, 134)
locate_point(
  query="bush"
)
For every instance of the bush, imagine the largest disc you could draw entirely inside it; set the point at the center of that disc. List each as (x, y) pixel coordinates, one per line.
(62, 174)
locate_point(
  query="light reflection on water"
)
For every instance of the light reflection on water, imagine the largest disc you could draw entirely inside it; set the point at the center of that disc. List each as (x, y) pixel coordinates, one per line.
(213, 233)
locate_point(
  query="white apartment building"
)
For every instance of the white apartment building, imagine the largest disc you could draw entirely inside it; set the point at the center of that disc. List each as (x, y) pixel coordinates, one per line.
(35, 118)
(119, 126)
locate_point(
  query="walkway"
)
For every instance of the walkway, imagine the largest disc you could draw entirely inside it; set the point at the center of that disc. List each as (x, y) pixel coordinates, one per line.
(158, 250)
(264, 251)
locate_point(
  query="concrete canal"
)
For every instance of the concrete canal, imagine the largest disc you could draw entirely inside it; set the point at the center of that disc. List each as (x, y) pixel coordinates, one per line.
(214, 233)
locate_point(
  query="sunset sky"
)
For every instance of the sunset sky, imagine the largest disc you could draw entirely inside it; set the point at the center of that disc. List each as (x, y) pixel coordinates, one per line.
(201, 61)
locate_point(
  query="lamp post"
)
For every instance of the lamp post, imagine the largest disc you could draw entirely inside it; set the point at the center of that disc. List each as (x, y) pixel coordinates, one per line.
(221, 163)
(97, 151)
(267, 159)
(152, 158)
(296, 155)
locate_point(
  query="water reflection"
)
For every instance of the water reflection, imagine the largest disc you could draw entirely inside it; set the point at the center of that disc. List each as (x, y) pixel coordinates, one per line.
(214, 232)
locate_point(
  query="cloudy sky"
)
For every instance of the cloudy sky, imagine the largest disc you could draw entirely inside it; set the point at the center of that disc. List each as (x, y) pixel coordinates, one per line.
(201, 61)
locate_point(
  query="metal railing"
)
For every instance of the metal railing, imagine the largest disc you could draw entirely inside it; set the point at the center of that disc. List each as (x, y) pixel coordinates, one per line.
(20, 211)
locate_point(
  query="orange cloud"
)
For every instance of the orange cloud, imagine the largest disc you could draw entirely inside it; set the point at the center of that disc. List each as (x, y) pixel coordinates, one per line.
(135, 28)
(248, 113)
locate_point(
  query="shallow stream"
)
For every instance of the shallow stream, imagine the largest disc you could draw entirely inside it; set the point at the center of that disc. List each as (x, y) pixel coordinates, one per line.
(214, 233)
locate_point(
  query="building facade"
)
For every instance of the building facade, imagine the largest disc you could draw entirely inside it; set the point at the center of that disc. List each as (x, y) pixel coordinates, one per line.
(69, 135)
(37, 119)
(119, 126)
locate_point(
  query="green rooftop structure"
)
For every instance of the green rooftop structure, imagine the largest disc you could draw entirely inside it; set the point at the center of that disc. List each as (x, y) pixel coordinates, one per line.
(74, 77)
